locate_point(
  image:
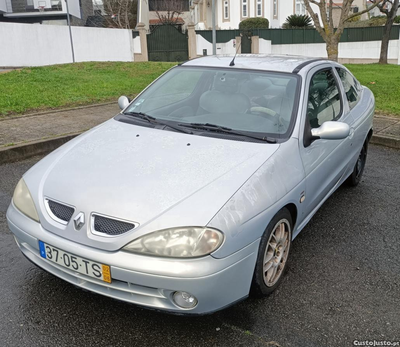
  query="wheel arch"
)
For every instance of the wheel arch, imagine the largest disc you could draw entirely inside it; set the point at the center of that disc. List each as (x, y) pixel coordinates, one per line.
(292, 208)
(371, 131)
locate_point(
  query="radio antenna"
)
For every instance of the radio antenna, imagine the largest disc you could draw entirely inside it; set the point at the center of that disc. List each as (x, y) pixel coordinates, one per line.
(232, 63)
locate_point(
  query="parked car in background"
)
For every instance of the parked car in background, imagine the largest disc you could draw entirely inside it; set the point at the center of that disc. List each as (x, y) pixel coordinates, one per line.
(189, 199)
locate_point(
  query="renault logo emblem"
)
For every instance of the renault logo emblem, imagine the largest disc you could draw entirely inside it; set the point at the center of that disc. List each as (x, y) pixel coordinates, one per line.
(79, 220)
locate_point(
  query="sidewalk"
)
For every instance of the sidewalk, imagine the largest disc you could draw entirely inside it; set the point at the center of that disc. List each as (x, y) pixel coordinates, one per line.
(386, 131)
(40, 133)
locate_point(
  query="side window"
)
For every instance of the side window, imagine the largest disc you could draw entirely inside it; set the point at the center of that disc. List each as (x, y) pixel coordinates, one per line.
(323, 99)
(351, 87)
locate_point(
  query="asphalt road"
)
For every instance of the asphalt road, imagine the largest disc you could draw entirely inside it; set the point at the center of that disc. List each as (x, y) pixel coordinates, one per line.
(343, 284)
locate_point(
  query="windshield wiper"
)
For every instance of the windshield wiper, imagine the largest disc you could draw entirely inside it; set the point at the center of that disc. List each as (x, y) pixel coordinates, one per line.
(225, 130)
(156, 121)
(141, 115)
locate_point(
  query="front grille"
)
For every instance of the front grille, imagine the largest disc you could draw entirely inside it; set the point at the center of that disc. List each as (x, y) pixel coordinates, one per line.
(110, 226)
(60, 211)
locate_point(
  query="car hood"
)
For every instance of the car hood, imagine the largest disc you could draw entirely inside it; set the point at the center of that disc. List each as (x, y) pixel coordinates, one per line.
(155, 178)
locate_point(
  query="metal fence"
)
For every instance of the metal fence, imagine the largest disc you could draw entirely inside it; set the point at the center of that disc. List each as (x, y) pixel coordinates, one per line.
(293, 36)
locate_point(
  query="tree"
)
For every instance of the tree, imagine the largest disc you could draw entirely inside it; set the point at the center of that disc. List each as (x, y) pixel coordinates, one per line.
(168, 11)
(328, 32)
(389, 8)
(297, 21)
(120, 14)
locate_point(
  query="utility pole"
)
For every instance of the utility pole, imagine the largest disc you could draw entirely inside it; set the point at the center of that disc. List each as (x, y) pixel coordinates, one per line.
(70, 33)
(214, 33)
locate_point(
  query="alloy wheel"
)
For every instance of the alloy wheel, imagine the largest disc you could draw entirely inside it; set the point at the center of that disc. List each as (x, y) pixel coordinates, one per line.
(276, 252)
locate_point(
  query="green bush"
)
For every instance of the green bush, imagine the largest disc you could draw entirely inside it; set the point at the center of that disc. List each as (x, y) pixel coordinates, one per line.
(355, 19)
(397, 20)
(254, 23)
(295, 21)
(372, 22)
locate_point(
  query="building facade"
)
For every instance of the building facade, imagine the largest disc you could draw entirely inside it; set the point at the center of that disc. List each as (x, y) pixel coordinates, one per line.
(45, 11)
(155, 12)
(229, 13)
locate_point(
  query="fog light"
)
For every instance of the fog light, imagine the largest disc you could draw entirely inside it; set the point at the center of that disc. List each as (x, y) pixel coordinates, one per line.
(184, 299)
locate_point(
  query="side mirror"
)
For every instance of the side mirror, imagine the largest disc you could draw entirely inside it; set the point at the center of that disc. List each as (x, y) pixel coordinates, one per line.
(331, 131)
(123, 102)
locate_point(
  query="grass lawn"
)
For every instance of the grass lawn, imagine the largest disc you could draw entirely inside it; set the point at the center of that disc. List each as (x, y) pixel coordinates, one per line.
(58, 86)
(384, 81)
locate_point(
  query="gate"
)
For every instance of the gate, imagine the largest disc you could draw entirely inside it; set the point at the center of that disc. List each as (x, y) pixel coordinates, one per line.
(166, 43)
(246, 42)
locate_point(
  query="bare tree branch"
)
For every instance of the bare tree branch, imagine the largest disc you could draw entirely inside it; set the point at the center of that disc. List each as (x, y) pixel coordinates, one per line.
(315, 17)
(118, 13)
(168, 11)
(330, 16)
(363, 11)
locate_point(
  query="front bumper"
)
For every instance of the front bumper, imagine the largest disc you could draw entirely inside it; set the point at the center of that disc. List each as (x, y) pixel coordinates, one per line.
(144, 280)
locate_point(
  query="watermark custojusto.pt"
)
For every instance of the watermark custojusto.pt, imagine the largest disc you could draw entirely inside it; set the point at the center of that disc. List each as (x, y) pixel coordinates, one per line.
(375, 343)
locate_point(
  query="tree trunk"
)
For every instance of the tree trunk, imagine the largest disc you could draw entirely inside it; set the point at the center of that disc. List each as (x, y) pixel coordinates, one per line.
(385, 40)
(332, 48)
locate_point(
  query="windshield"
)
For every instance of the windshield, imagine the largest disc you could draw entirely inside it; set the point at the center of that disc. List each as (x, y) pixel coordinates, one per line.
(244, 100)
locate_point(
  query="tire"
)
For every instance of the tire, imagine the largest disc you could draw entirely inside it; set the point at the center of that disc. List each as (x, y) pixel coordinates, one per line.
(265, 281)
(355, 177)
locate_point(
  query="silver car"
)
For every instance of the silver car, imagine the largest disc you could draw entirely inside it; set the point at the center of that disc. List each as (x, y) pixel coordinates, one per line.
(188, 200)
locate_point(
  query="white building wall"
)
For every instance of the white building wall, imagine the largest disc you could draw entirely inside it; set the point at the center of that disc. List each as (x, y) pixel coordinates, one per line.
(235, 18)
(268, 11)
(220, 16)
(227, 48)
(310, 49)
(137, 48)
(38, 45)
(367, 50)
(202, 43)
(265, 46)
(347, 50)
(285, 10)
(222, 48)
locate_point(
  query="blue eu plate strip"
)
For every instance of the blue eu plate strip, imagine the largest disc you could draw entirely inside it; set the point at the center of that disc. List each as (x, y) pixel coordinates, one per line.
(42, 250)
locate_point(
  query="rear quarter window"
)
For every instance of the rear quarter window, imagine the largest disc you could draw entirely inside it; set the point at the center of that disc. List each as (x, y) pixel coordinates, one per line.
(351, 87)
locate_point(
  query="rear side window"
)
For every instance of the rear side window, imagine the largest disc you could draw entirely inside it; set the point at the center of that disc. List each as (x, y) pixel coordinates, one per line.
(323, 99)
(351, 87)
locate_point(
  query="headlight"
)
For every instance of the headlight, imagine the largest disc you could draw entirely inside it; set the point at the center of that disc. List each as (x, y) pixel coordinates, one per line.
(23, 200)
(185, 242)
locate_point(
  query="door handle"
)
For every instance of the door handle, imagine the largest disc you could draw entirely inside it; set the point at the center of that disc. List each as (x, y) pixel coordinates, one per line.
(351, 134)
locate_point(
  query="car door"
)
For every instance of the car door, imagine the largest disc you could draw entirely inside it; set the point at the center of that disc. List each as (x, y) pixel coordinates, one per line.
(359, 111)
(325, 161)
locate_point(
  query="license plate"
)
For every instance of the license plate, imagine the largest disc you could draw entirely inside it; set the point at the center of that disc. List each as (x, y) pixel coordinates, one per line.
(75, 263)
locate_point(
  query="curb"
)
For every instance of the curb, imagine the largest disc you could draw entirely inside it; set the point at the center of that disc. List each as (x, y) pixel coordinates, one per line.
(387, 141)
(28, 150)
(58, 110)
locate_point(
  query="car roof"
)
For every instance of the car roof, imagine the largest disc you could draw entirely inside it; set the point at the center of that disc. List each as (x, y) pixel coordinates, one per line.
(282, 63)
